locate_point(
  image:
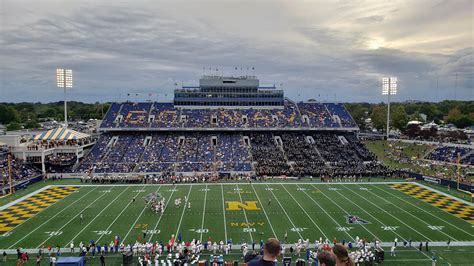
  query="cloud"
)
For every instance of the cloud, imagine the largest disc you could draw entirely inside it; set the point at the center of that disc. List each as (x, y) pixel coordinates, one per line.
(335, 51)
(371, 19)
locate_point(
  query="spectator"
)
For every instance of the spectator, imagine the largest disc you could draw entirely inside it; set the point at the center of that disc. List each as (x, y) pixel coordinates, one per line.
(342, 256)
(326, 259)
(271, 251)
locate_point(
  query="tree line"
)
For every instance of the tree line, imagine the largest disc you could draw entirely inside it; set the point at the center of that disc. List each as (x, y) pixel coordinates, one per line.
(28, 115)
(459, 113)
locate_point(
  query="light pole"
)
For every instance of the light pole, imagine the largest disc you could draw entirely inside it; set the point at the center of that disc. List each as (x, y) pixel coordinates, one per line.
(389, 87)
(64, 80)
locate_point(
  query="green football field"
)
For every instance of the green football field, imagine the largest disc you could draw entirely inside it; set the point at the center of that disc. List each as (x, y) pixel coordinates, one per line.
(249, 212)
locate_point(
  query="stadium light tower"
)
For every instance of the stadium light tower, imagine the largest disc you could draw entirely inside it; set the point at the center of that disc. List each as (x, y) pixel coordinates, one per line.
(64, 80)
(389, 87)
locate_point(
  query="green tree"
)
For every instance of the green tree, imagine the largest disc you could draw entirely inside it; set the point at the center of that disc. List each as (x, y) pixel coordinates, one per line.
(453, 116)
(8, 114)
(13, 126)
(415, 116)
(32, 124)
(398, 117)
(358, 112)
(379, 116)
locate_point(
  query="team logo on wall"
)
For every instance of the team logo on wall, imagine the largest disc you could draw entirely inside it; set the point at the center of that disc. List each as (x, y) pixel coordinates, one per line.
(353, 219)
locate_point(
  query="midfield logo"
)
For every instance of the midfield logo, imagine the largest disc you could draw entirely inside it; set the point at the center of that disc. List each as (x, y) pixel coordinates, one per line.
(352, 219)
(246, 205)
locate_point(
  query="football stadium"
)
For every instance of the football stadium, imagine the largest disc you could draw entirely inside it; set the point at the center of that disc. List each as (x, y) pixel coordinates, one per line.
(224, 167)
(318, 133)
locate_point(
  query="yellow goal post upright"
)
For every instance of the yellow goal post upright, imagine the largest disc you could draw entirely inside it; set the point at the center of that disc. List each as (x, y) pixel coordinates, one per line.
(10, 173)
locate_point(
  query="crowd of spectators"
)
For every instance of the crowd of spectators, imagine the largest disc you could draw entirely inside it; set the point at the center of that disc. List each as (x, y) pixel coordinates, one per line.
(167, 152)
(305, 158)
(265, 154)
(409, 161)
(60, 162)
(19, 169)
(232, 153)
(43, 145)
(174, 250)
(317, 114)
(165, 115)
(450, 154)
(337, 109)
(346, 156)
(269, 157)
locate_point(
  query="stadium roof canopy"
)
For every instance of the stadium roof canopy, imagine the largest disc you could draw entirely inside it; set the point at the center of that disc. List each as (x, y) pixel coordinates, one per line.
(61, 134)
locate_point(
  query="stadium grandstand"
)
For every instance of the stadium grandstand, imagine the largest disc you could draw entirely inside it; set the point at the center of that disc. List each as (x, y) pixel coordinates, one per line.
(230, 126)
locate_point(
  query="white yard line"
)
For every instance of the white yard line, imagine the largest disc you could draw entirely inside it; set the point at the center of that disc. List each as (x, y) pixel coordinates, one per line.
(245, 214)
(184, 209)
(287, 216)
(135, 222)
(203, 213)
(161, 215)
(105, 208)
(264, 212)
(347, 213)
(3, 207)
(347, 233)
(413, 229)
(342, 195)
(118, 216)
(421, 220)
(240, 183)
(223, 212)
(64, 225)
(315, 224)
(443, 193)
(460, 229)
(47, 221)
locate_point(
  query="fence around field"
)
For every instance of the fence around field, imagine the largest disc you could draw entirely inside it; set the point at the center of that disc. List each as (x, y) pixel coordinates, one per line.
(439, 181)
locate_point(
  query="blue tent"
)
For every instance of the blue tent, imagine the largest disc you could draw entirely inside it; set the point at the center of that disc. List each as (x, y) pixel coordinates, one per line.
(76, 261)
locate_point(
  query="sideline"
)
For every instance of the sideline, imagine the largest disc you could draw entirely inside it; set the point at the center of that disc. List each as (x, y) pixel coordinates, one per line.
(237, 247)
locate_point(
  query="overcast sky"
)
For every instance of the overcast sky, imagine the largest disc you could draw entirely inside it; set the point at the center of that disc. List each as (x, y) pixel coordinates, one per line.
(335, 49)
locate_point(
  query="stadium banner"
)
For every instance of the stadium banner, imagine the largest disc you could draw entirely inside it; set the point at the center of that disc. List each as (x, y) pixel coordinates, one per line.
(439, 181)
(23, 184)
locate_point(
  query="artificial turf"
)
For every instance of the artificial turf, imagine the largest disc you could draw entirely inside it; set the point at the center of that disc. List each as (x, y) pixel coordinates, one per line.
(302, 209)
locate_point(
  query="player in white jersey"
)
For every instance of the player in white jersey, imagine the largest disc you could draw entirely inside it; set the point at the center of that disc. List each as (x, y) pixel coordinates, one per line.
(214, 248)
